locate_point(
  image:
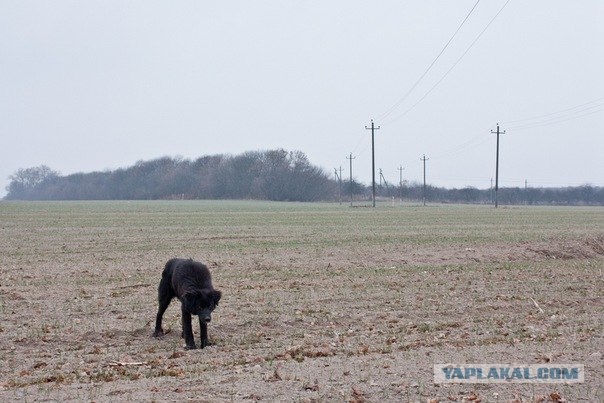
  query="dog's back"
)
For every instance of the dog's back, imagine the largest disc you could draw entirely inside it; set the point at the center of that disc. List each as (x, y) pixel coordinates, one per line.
(187, 274)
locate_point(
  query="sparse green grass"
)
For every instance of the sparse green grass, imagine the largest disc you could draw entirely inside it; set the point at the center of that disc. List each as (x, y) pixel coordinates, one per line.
(85, 227)
(309, 289)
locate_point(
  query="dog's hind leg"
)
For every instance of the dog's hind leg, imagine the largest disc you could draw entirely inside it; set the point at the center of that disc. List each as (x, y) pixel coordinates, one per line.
(159, 331)
(165, 295)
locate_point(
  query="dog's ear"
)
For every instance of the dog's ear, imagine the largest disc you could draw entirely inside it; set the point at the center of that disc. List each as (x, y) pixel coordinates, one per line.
(216, 296)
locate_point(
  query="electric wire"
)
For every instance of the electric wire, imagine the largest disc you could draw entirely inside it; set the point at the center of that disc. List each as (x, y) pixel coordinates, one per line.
(401, 100)
(553, 121)
(404, 97)
(470, 144)
(429, 67)
(354, 150)
(553, 113)
(452, 67)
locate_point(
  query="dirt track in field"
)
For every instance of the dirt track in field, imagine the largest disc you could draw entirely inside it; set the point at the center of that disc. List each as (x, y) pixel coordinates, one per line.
(303, 323)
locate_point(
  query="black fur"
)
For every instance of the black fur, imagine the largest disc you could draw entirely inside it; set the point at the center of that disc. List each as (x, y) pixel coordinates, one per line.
(191, 283)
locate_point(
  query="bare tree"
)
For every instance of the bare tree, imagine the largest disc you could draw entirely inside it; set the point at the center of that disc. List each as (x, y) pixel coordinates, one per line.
(24, 181)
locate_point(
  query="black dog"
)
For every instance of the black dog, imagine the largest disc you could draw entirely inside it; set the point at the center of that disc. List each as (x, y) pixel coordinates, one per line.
(191, 283)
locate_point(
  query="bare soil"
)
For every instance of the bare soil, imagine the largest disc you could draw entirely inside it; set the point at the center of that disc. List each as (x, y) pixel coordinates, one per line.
(347, 322)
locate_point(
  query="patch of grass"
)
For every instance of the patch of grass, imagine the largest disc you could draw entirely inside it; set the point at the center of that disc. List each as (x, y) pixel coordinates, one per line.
(307, 287)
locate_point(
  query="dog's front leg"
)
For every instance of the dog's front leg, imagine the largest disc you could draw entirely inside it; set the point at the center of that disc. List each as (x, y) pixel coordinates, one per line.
(203, 328)
(187, 330)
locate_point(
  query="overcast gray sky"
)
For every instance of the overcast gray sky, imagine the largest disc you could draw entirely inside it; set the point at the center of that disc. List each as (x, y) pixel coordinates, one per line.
(94, 85)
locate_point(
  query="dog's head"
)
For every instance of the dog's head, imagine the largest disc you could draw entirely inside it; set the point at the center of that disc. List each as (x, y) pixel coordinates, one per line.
(202, 303)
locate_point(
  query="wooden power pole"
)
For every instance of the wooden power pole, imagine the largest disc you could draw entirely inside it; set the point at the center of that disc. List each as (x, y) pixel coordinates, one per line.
(424, 159)
(498, 132)
(351, 187)
(373, 129)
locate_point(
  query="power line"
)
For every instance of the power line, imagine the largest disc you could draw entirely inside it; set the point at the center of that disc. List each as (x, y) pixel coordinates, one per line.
(473, 142)
(555, 113)
(397, 103)
(554, 121)
(452, 67)
(358, 144)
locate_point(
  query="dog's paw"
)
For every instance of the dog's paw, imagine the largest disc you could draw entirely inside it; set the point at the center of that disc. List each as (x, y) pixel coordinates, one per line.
(158, 333)
(190, 347)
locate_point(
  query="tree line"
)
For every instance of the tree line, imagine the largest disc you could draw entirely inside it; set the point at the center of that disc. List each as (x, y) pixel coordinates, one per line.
(277, 175)
(264, 175)
(586, 195)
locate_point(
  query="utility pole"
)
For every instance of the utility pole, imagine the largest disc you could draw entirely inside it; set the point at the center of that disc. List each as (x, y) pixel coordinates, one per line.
(385, 182)
(498, 132)
(351, 158)
(401, 169)
(339, 179)
(424, 159)
(525, 191)
(340, 191)
(373, 129)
